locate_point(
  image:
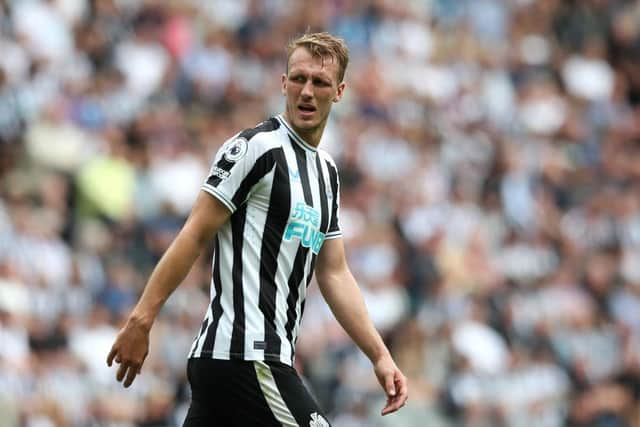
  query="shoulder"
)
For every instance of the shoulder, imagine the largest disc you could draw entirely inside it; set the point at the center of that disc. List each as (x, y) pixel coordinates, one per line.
(260, 130)
(258, 139)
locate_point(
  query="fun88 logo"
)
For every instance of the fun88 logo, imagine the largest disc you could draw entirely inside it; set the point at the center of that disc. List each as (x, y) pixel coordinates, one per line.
(303, 225)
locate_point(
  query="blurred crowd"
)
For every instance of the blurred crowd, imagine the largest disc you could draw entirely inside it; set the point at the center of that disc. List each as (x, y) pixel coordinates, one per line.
(489, 153)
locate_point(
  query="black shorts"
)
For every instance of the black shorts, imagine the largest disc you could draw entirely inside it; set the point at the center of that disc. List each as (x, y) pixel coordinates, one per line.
(245, 393)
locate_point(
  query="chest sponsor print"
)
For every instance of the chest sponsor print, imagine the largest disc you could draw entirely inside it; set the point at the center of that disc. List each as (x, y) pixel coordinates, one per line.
(304, 225)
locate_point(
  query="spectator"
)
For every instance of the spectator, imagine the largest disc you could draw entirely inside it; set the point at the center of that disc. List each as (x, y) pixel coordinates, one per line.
(489, 164)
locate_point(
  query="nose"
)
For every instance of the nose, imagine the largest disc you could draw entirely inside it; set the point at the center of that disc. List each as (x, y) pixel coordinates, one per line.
(307, 90)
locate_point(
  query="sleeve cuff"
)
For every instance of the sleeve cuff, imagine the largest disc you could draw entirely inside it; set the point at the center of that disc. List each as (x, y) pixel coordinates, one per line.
(333, 235)
(220, 196)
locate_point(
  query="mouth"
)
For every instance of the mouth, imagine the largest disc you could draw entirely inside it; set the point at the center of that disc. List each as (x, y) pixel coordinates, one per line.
(306, 109)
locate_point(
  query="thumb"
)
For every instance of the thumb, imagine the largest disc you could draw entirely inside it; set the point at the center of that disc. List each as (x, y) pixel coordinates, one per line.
(389, 385)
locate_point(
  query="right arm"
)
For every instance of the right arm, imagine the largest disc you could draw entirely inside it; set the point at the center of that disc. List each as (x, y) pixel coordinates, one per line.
(132, 343)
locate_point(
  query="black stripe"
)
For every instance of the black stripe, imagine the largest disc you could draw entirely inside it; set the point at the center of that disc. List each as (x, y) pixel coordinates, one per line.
(238, 220)
(333, 174)
(216, 307)
(276, 221)
(301, 314)
(266, 126)
(301, 160)
(297, 273)
(260, 168)
(205, 323)
(323, 197)
(302, 307)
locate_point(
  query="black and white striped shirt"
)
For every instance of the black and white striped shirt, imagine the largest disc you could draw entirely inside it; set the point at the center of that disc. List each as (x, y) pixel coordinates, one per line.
(283, 195)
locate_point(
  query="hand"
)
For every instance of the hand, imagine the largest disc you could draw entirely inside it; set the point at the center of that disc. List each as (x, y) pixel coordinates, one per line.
(394, 384)
(129, 350)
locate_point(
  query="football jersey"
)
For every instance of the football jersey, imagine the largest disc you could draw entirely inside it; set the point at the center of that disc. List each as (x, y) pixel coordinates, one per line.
(283, 195)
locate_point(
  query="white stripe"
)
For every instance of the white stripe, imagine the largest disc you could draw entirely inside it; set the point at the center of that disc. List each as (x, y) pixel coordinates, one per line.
(272, 395)
(222, 344)
(253, 232)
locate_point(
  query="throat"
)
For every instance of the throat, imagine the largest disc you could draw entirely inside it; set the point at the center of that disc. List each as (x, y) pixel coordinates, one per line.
(311, 135)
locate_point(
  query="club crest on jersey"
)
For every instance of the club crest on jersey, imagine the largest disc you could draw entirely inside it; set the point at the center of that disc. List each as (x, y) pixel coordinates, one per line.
(303, 225)
(235, 150)
(318, 420)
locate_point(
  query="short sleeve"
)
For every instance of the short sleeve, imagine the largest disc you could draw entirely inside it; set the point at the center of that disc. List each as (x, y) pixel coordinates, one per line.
(237, 167)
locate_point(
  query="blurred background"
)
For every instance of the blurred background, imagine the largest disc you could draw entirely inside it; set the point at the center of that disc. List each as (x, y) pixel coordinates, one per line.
(490, 164)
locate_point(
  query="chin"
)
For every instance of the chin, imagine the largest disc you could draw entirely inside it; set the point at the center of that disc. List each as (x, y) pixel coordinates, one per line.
(306, 124)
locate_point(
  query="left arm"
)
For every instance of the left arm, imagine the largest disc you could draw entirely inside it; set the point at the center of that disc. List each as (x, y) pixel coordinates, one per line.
(340, 290)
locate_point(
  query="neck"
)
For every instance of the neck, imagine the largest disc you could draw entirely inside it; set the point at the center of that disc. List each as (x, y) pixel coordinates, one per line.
(310, 136)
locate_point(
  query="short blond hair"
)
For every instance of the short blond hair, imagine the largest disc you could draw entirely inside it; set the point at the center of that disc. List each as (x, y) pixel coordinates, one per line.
(322, 45)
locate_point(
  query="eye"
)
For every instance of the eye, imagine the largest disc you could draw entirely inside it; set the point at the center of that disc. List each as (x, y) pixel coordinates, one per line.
(298, 78)
(320, 82)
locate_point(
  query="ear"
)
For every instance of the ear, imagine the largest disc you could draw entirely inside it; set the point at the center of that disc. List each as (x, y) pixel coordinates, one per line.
(283, 84)
(339, 92)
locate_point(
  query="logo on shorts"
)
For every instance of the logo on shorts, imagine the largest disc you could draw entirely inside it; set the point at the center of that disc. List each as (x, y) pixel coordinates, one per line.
(318, 420)
(235, 150)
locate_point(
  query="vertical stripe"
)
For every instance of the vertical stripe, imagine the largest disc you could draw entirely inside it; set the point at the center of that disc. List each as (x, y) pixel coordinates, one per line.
(272, 395)
(323, 195)
(297, 274)
(324, 209)
(237, 232)
(301, 161)
(277, 217)
(216, 307)
(254, 230)
(300, 306)
(205, 323)
(225, 329)
(260, 168)
(333, 174)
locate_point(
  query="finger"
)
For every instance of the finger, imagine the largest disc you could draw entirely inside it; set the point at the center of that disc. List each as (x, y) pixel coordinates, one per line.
(402, 389)
(122, 370)
(142, 361)
(131, 375)
(399, 400)
(393, 404)
(111, 355)
(389, 386)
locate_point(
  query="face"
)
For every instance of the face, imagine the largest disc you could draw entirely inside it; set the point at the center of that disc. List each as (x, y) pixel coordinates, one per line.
(311, 87)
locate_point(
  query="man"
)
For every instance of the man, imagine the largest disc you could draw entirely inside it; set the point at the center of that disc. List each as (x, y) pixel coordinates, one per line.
(271, 201)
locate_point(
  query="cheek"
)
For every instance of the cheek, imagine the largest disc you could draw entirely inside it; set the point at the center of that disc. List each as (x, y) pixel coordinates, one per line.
(326, 96)
(292, 92)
